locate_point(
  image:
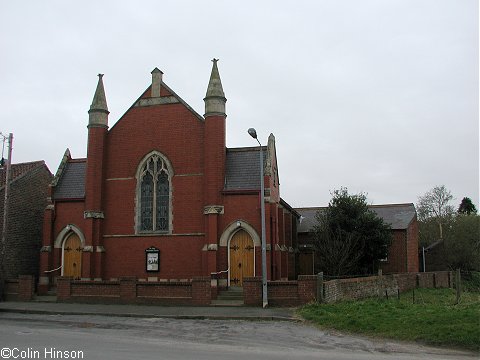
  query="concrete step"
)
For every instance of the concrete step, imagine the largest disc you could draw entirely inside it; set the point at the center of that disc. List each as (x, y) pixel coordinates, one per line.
(231, 294)
(45, 298)
(227, 303)
(52, 291)
(222, 297)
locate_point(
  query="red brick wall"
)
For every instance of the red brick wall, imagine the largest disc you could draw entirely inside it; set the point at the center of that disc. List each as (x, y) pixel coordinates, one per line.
(175, 132)
(180, 256)
(23, 240)
(172, 290)
(281, 293)
(307, 288)
(171, 129)
(97, 288)
(214, 157)
(95, 168)
(252, 291)
(412, 246)
(11, 290)
(68, 213)
(397, 254)
(128, 291)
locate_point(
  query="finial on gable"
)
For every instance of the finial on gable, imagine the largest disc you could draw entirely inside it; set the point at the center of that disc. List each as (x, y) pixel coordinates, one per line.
(156, 82)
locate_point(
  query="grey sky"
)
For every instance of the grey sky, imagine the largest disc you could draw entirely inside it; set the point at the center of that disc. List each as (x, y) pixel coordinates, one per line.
(378, 96)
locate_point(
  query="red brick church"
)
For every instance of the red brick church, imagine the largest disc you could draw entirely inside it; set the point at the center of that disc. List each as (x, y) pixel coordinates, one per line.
(160, 196)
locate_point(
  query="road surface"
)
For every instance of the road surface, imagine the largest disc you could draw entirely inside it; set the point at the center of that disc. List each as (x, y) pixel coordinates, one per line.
(29, 336)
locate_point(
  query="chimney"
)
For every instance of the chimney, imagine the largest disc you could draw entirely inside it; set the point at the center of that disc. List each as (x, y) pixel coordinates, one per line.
(156, 82)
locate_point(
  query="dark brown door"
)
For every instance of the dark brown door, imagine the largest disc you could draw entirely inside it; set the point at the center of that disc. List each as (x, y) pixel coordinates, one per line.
(305, 266)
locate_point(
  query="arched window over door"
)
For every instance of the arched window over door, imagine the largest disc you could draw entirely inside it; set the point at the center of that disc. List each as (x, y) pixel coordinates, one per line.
(154, 193)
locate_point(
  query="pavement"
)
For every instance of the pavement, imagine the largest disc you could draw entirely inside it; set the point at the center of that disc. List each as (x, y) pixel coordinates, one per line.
(149, 311)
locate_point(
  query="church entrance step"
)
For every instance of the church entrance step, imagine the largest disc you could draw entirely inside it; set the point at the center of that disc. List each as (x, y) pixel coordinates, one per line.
(45, 298)
(227, 303)
(233, 293)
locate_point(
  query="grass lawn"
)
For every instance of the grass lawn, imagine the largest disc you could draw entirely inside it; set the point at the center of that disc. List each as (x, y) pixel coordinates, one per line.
(433, 319)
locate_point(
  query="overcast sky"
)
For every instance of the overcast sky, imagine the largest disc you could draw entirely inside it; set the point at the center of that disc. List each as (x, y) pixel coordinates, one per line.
(377, 96)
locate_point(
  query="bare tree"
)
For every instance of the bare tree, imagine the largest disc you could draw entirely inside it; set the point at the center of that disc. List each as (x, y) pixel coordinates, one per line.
(436, 204)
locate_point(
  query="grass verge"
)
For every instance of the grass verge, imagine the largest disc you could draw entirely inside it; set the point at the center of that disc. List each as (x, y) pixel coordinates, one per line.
(433, 319)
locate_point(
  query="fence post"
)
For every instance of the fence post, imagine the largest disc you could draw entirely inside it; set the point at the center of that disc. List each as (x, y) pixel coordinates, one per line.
(458, 285)
(320, 287)
(380, 284)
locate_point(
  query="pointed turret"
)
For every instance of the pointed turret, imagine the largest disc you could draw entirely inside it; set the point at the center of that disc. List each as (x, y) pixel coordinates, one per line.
(98, 113)
(94, 180)
(215, 98)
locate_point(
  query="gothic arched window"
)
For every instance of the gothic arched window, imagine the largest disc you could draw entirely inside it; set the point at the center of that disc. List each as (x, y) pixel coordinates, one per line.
(153, 198)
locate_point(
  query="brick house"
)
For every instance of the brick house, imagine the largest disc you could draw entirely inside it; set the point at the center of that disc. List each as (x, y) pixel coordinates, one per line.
(402, 254)
(160, 196)
(26, 204)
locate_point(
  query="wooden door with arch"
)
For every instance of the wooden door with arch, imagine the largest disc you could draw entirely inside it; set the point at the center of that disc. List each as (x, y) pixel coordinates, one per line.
(72, 256)
(242, 257)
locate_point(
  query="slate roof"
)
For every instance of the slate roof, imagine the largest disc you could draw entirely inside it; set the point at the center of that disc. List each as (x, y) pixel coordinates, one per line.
(307, 218)
(18, 170)
(243, 168)
(398, 216)
(71, 184)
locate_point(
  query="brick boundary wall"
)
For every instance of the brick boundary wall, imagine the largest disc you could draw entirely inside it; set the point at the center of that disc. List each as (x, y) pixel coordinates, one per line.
(198, 291)
(304, 290)
(280, 293)
(382, 286)
(21, 289)
(128, 290)
(11, 290)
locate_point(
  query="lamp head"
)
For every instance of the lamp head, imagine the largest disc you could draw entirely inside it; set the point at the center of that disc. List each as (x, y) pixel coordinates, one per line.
(252, 132)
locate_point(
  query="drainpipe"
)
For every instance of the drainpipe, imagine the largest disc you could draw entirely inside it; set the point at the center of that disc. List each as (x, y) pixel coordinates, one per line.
(423, 257)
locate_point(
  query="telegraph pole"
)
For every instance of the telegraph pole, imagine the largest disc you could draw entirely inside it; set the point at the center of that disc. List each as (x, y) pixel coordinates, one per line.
(3, 244)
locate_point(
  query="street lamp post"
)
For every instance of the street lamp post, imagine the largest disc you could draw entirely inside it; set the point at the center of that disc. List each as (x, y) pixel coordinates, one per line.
(253, 134)
(5, 210)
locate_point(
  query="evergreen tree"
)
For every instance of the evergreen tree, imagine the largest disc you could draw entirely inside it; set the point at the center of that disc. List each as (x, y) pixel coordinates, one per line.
(350, 237)
(467, 207)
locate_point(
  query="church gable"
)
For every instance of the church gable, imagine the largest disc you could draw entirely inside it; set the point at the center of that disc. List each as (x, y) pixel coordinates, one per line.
(159, 120)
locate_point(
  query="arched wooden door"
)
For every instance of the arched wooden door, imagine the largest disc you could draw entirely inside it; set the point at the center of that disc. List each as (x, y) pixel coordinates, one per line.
(242, 257)
(72, 256)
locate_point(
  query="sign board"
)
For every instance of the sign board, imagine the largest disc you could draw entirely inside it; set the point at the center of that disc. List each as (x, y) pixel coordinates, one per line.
(152, 256)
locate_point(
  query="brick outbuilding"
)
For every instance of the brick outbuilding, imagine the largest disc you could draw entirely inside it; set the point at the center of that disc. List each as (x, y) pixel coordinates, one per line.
(27, 199)
(402, 254)
(160, 196)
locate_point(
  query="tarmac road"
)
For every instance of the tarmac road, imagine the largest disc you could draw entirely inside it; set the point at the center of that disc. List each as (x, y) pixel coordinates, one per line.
(44, 336)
